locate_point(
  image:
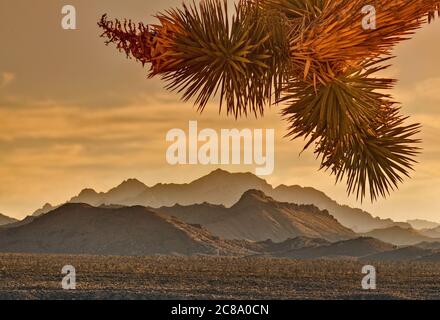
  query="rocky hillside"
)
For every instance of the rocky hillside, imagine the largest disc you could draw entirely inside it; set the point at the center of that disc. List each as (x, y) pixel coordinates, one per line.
(83, 229)
(258, 217)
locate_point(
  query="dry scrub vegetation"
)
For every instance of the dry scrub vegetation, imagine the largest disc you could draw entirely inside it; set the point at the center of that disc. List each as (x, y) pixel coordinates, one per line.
(99, 277)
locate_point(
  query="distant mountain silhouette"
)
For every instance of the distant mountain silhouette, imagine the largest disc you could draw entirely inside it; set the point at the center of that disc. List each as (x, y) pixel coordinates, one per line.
(432, 233)
(420, 224)
(26, 220)
(83, 229)
(44, 209)
(353, 248)
(435, 257)
(429, 245)
(258, 217)
(223, 188)
(119, 195)
(4, 220)
(400, 236)
(409, 253)
(353, 218)
(271, 247)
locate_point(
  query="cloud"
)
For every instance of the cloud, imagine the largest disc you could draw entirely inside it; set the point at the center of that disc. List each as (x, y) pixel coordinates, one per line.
(6, 78)
(420, 96)
(428, 89)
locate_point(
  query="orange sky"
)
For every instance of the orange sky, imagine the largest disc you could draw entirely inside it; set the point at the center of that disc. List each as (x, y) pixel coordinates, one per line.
(75, 114)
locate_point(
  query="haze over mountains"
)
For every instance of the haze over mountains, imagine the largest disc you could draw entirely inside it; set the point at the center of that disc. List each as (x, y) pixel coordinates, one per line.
(76, 228)
(223, 188)
(432, 233)
(219, 214)
(420, 224)
(365, 249)
(6, 220)
(400, 236)
(410, 253)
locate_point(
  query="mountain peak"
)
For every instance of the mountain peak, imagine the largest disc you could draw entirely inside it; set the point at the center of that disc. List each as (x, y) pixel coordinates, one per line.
(73, 205)
(47, 206)
(132, 182)
(220, 174)
(89, 196)
(44, 209)
(255, 194)
(220, 170)
(127, 189)
(87, 192)
(6, 220)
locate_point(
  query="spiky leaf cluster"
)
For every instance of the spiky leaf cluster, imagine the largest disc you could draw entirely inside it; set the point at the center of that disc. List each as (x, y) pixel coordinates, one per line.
(313, 56)
(356, 130)
(199, 52)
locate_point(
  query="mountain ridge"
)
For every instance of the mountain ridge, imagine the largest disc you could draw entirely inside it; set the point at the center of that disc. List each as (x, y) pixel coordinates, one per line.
(352, 248)
(258, 217)
(420, 224)
(5, 220)
(221, 187)
(79, 228)
(400, 236)
(432, 233)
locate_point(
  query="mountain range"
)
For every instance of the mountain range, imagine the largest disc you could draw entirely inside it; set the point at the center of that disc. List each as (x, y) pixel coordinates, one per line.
(400, 236)
(219, 214)
(409, 253)
(78, 228)
(364, 249)
(203, 229)
(353, 248)
(223, 188)
(420, 224)
(84, 229)
(432, 233)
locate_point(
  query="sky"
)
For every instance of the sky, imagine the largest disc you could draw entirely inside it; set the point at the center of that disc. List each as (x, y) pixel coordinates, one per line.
(75, 113)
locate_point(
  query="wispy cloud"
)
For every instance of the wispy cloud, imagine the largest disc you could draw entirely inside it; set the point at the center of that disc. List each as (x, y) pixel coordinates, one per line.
(419, 96)
(6, 78)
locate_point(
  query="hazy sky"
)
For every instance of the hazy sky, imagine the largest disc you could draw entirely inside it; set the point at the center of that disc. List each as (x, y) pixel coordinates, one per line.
(75, 114)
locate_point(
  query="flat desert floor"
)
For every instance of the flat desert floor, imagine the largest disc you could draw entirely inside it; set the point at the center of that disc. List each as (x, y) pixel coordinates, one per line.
(98, 277)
